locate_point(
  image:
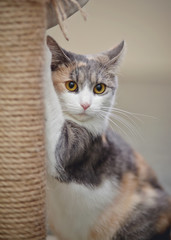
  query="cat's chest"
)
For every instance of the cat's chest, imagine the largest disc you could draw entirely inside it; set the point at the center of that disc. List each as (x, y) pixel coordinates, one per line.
(73, 209)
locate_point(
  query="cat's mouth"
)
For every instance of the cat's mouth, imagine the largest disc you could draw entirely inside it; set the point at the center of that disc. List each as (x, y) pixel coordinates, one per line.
(83, 116)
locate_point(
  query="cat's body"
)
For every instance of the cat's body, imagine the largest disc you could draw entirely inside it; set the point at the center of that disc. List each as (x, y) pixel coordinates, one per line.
(98, 187)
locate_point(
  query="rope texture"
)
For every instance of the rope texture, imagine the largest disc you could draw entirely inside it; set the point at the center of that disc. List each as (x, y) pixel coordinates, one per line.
(22, 154)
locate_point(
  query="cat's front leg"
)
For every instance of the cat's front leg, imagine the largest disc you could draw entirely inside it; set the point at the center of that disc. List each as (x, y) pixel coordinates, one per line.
(54, 119)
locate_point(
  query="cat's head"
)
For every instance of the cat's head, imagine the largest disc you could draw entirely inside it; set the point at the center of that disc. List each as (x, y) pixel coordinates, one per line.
(86, 84)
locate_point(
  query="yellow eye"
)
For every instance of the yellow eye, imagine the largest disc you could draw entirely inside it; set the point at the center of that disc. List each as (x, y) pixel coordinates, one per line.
(71, 86)
(99, 88)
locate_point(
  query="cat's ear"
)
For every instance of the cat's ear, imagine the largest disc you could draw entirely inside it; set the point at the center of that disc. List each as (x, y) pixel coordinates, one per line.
(58, 54)
(112, 58)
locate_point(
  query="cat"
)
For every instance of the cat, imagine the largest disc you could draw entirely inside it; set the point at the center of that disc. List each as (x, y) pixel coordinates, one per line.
(98, 187)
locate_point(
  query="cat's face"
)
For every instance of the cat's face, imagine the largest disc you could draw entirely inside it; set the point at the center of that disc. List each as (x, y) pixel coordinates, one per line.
(85, 90)
(86, 85)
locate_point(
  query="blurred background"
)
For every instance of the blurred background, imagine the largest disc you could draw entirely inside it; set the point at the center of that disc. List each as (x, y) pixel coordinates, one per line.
(145, 76)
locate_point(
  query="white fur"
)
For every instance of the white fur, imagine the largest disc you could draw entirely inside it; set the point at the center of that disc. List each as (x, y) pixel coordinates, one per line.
(75, 208)
(91, 118)
(53, 116)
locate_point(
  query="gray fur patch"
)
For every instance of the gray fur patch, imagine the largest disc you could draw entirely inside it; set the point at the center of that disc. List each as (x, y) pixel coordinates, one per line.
(88, 160)
(92, 73)
(140, 224)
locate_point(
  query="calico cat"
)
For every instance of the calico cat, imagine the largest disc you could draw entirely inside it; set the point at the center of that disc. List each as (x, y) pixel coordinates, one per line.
(98, 187)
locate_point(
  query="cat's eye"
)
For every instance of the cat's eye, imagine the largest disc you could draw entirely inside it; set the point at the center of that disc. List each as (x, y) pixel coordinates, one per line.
(71, 86)
(99, 88)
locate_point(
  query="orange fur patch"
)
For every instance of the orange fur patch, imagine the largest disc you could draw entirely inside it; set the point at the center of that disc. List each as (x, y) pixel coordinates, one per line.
(116, 214)
(80, 64)
(142, 167)
(104, 139)
(164, 220)
(163, 223)
(145, 173)
(56, 232)
(61, 76)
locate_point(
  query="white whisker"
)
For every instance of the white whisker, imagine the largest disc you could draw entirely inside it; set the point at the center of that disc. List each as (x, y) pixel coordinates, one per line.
(114, 123)
(134, 114)
(132, 128)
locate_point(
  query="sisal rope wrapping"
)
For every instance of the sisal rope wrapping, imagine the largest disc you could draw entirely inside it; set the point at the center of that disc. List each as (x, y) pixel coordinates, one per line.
(22, 154)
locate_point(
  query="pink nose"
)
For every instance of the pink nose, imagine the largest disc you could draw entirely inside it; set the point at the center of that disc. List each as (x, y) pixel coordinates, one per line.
(85, 105)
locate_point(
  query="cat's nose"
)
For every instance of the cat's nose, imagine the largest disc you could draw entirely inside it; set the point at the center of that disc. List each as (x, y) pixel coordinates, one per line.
(85, 105)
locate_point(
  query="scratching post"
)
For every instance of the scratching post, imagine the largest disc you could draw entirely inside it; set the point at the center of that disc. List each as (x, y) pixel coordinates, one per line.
(22, 161)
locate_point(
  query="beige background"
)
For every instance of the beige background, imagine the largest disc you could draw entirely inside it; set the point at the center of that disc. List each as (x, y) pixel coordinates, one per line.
(145, 78)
